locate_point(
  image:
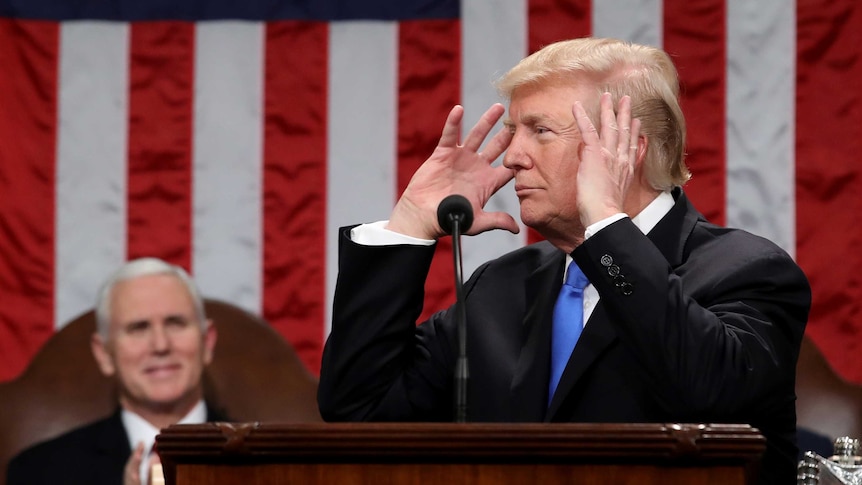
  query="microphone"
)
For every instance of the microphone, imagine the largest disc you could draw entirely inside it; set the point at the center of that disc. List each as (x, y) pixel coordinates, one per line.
(452, 209)
(455, 216)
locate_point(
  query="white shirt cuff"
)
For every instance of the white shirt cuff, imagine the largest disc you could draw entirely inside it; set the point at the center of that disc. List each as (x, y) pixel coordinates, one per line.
(376, 234)
(598, 226)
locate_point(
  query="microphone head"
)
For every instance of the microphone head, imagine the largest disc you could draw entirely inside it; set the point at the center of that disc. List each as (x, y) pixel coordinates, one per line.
(452, 208)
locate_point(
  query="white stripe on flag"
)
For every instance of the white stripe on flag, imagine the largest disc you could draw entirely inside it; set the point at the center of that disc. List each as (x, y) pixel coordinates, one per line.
(361, 132)
(494, 38)
(637, 21)
(227, 166)
(91, 161)
(760, 119)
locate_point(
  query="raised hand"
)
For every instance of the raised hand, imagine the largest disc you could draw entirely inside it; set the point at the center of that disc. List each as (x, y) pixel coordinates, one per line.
(455, 168)
(132, 471)
(608, 159)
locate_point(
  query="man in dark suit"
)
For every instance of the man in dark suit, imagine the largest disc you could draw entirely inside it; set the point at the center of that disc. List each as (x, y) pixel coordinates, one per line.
(155, 340)
(684, 321)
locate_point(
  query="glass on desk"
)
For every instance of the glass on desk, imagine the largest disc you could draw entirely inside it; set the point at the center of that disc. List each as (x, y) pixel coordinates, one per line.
(844, 467)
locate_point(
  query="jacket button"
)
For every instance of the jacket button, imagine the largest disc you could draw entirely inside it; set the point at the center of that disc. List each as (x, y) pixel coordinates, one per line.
(607, 260)
(626, 288)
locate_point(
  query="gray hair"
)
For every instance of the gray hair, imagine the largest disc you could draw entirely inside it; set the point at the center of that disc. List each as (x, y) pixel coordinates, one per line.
(137, 268)
(645, 73)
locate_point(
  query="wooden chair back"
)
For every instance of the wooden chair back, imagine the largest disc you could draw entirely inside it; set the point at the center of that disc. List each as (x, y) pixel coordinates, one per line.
(826, 403)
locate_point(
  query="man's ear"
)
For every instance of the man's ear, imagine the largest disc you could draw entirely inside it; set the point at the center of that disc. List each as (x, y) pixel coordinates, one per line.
(640, 154)
(103, 357)
(210, 336)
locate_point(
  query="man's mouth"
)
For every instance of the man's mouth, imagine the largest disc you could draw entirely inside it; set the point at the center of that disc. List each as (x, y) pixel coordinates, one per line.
(162, 370)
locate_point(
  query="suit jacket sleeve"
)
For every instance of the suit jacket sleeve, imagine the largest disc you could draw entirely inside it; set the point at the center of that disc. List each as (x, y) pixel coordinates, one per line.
(727, 340)
(376, 365)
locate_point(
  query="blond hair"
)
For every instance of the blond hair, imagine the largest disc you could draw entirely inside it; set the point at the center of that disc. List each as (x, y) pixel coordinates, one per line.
(645, 73)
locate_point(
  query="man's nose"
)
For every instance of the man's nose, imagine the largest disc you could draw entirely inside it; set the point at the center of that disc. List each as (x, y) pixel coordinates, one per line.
(159, 339)
(516, 156)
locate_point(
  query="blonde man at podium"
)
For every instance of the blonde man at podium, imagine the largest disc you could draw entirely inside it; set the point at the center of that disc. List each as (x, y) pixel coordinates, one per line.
(154, 339)
(674, 319)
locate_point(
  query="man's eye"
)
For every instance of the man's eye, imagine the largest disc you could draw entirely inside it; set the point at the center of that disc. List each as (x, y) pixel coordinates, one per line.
(177, 322)
(137, 327)
(541, 130)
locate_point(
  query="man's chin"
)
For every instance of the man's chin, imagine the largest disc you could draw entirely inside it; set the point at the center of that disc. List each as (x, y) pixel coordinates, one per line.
(531, 219)
(169, 398)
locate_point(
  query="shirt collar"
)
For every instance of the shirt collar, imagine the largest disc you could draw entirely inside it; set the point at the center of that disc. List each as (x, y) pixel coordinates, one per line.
(653, 212)
(139, 429)
(646, 219)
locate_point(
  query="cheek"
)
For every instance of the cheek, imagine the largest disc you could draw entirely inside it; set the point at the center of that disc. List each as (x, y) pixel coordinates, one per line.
(561, 171)
(568, 172)
(190, 348)
(130, 354)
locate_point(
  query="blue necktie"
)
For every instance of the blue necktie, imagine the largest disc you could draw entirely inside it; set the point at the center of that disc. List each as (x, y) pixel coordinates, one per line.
(568, 323)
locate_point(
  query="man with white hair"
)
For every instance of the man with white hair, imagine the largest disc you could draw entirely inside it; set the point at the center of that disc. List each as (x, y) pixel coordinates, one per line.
(154, 339)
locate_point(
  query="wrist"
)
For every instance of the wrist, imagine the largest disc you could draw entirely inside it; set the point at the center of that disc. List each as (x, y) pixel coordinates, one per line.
(407, 220)
(603, 223)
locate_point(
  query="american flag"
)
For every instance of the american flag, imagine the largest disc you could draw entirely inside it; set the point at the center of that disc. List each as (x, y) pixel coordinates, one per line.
(235, 137)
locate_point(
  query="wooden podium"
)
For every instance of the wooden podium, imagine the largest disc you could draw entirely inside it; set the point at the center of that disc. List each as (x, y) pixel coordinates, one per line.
(452, 454)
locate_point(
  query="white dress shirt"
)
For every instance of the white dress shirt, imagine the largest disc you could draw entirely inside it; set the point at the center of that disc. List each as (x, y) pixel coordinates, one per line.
(139, 430)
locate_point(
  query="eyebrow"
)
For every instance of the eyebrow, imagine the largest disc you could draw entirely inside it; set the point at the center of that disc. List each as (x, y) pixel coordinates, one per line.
(174, 317)
(529, 120)
(132, 324)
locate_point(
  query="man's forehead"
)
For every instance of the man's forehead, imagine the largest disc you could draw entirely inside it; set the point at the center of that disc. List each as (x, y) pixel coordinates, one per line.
(160, 293)
(149, 285)
(531, 114)
(526, 118)
(147, 316)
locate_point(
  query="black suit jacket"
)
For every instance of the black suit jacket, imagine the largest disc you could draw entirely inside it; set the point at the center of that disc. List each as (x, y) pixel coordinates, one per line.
(94, 454)
(696, 323)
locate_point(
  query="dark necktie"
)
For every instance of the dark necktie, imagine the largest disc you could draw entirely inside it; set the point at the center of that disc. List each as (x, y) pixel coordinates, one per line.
(568, 323)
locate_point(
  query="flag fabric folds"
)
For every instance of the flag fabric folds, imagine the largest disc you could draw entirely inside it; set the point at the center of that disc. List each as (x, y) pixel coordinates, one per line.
(235, 138)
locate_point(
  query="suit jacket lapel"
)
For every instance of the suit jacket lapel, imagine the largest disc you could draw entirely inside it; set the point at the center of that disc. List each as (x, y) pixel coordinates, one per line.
(596, 337)
(113, 450)
(673, 230)
(530, 381)
(215, 414)
(599, 333)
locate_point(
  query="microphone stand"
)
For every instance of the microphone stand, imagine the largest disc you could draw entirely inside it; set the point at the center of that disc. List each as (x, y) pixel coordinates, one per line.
(462, 372)
(455, 215)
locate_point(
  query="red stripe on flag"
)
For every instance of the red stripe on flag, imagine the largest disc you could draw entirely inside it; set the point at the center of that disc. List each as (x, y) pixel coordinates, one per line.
(551, 21)
(28, 119)
(828, 182)
(161, 94)
(294, 184)
(695, 37)
(554, 20)
(429, 76)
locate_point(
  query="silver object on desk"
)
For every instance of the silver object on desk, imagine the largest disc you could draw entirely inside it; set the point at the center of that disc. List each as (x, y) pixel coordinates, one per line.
(844, 467)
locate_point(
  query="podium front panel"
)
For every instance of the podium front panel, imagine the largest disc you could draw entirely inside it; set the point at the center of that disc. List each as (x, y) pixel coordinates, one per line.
(454, 454)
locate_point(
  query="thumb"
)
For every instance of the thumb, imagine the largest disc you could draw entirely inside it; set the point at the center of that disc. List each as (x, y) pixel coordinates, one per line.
(131, 473)
(137, 455)
(486, 221)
